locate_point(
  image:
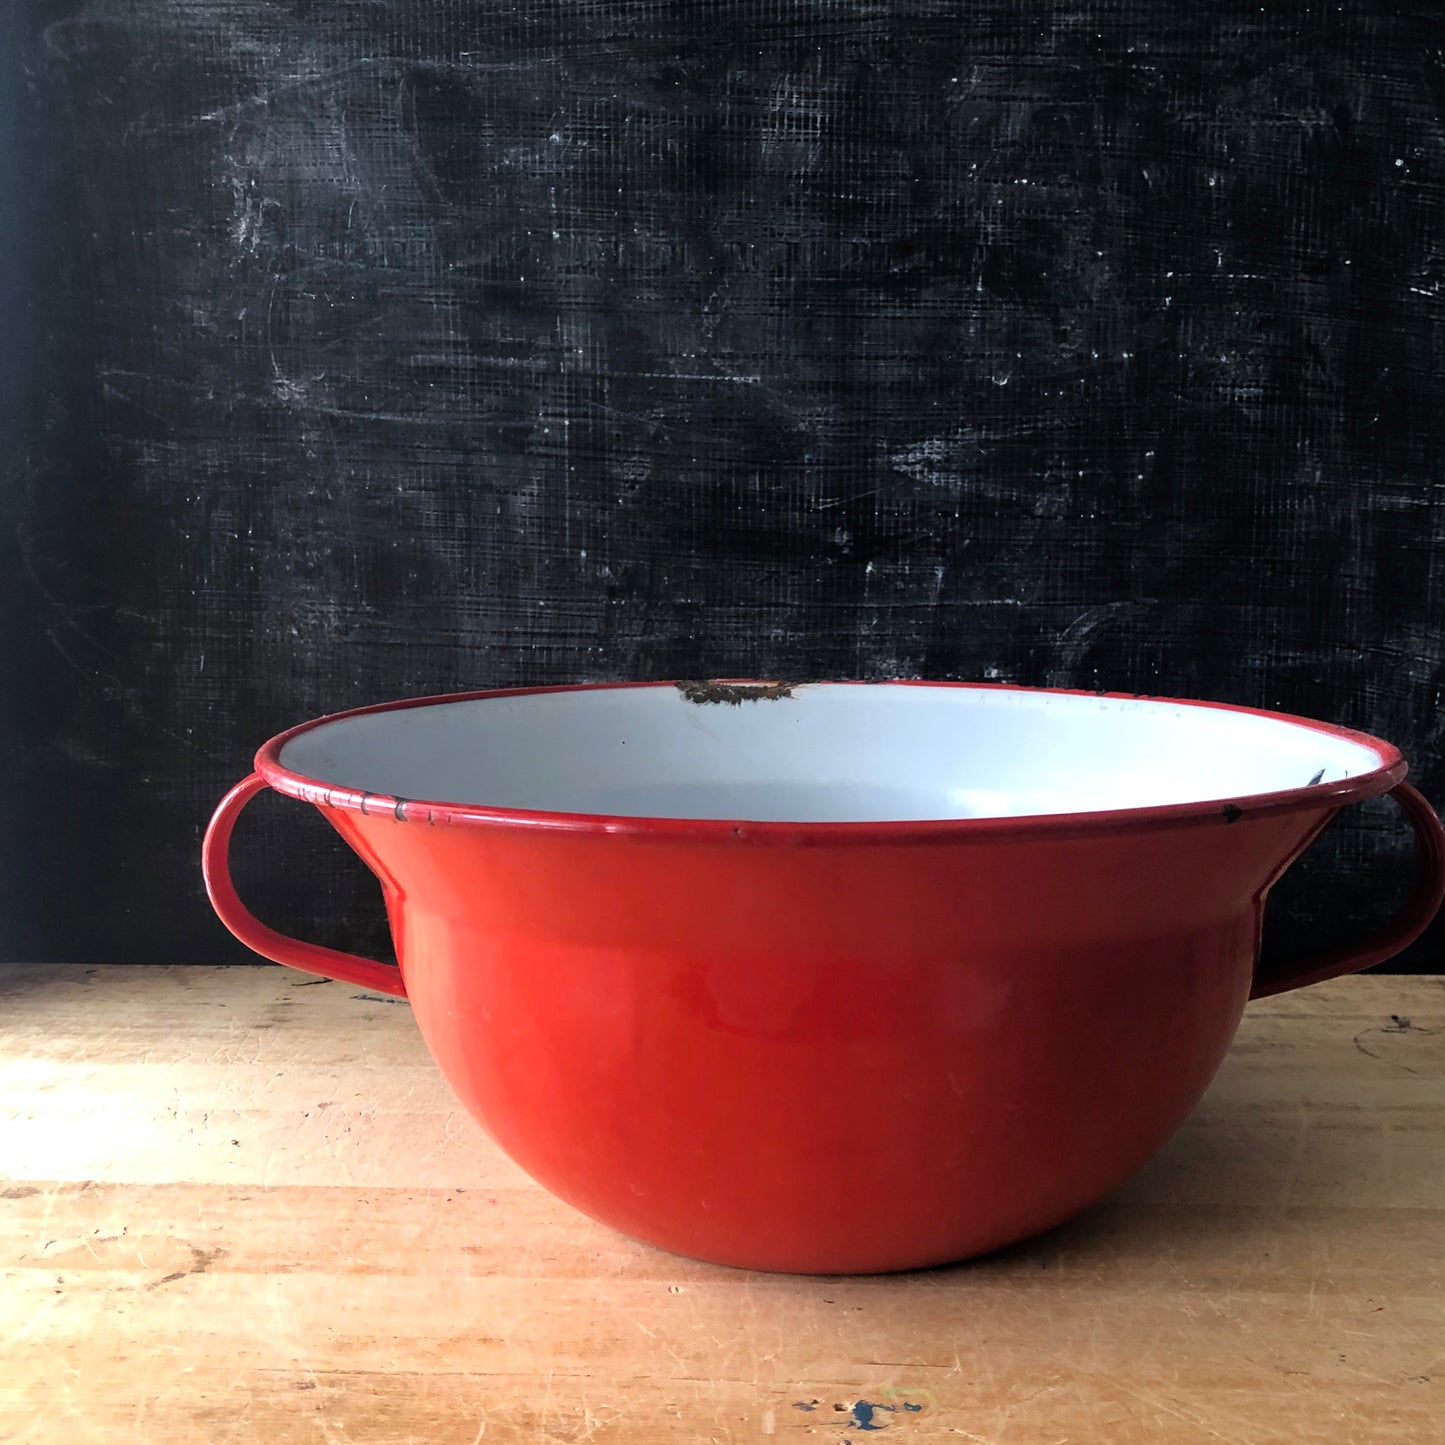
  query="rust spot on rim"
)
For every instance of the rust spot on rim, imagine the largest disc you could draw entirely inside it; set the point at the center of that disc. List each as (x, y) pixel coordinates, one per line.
(734, 693)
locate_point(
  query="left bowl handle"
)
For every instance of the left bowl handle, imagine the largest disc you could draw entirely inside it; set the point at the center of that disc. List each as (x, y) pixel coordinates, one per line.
(310, 957)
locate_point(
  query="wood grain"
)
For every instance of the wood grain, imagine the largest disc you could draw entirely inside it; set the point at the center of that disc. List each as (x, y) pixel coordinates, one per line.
(241, 1206)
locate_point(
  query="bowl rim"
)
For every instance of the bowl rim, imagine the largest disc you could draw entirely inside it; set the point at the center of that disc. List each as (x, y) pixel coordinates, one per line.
(1219, 812)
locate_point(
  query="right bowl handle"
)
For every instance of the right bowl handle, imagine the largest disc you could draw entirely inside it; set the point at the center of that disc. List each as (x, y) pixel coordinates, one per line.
(1423, 905)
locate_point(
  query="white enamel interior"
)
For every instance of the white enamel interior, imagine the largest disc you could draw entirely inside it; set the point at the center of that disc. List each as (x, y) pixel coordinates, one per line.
(828, 753)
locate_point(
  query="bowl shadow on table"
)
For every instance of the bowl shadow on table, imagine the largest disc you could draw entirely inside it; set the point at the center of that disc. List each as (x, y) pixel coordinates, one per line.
(1227, 1194)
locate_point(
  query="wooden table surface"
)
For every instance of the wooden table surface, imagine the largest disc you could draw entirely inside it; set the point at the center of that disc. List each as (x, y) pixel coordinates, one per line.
(240, 1205)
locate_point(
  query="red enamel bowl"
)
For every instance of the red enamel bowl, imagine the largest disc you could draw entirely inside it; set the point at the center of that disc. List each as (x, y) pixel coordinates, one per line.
(830, 978)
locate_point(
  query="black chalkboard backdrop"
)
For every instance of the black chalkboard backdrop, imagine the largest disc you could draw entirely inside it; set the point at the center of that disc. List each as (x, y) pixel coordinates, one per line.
(352, 349)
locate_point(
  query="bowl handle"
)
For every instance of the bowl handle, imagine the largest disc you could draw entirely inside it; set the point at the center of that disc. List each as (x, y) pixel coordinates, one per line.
(1422, 907)
(310, 957)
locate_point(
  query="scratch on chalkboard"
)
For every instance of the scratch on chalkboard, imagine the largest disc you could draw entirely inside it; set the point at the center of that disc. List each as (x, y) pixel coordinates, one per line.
(533, 345)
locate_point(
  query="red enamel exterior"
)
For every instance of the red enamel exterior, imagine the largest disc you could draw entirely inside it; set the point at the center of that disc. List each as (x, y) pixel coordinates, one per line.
(829, 1047)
